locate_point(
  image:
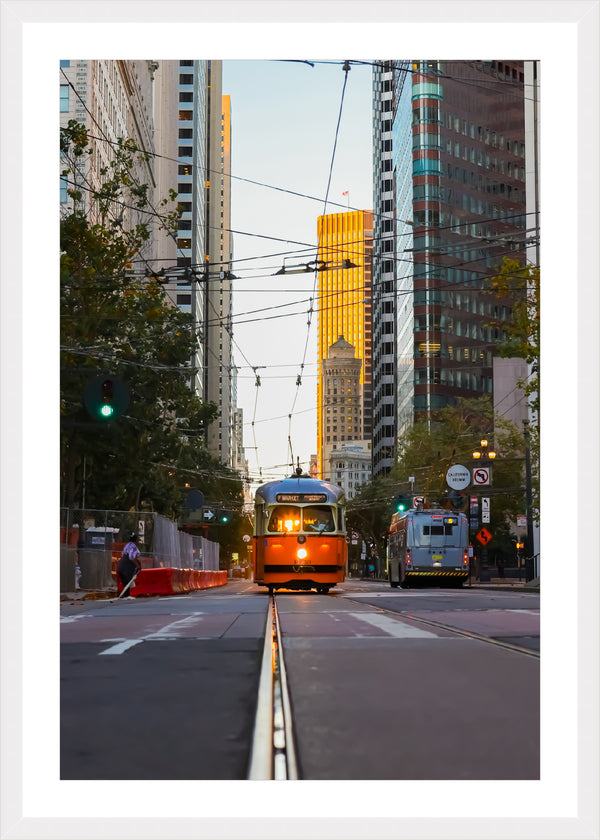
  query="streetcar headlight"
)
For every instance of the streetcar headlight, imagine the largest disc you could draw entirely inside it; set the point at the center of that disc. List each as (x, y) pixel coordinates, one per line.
(301, 553)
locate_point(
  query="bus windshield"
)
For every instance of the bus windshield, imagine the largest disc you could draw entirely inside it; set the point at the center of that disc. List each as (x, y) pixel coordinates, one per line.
(435, 533)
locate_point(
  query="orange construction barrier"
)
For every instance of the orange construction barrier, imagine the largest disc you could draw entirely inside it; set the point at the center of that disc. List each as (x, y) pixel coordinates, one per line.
(170, 581)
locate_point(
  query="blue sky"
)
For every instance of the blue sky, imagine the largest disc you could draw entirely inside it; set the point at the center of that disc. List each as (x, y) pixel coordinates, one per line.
(284, 118)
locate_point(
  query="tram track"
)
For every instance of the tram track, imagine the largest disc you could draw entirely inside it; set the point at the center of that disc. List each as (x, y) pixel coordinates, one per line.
(469, 634)
(272, 753)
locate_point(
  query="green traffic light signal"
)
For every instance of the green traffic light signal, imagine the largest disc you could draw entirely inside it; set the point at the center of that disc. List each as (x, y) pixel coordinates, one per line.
(401, 502)
(107, 408)
(105, 397)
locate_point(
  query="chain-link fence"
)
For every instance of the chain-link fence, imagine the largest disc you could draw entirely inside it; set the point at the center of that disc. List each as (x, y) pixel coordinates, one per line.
(91, 542)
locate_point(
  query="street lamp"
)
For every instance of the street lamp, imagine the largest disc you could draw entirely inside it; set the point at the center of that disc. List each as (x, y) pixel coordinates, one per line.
(483, 455)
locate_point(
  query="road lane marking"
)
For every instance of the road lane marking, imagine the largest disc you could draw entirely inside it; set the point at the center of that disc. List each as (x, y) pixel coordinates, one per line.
(120, 647)
(394, 627)
(166, 633)
(69, 619)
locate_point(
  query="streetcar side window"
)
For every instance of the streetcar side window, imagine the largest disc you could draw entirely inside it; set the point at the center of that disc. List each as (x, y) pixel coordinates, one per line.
(318, 518)
(284, 519)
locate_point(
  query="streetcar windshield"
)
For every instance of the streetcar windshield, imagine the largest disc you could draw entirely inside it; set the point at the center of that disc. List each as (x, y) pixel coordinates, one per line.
(284, 519)
(289, 519)
(317, 518)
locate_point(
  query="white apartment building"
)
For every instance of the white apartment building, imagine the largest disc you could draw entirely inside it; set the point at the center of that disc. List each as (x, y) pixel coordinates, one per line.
(350, 466)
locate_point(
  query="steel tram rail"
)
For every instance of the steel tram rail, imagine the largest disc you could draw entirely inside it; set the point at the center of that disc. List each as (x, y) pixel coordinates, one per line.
(469, 634)
(272, 755)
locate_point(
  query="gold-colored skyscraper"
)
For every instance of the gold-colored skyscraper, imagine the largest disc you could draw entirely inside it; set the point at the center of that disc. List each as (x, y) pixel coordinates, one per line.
(345, 243)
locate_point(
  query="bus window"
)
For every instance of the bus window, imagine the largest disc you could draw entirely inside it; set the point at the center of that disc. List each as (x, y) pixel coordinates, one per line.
(436, 535)
(317, 518)
(284, 519)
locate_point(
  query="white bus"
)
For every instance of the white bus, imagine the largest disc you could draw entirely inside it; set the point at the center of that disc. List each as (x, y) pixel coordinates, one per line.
(428, 546)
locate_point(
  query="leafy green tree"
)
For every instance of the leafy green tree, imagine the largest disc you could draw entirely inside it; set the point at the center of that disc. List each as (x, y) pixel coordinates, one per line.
(428, 450)
(369, 512)
(119, 322)
(520, 285)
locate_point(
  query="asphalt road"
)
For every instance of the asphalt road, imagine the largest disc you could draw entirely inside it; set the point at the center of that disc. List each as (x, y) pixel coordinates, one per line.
(165, 688)
(377, 695)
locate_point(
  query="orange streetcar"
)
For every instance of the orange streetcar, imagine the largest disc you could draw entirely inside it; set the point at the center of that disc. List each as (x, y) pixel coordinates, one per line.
(299, 534)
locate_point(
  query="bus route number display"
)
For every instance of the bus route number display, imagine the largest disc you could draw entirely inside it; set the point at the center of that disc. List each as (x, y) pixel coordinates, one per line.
(301, 497)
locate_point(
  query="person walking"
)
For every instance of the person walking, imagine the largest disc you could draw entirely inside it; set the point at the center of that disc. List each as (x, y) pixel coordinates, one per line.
(129, 564)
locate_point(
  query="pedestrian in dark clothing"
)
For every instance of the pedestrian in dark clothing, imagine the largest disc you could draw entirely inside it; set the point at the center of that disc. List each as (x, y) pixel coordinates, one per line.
(129, 564)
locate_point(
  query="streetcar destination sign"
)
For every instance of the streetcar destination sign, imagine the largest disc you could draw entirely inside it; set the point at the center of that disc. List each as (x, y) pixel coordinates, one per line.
(301, 497)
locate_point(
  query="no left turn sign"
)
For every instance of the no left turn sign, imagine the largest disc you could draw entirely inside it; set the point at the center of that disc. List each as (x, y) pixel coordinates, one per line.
(481, 476)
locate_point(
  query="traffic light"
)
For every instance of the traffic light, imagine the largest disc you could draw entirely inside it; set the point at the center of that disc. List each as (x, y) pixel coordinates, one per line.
(223, 517)
(105, 397)
(401, 502)
(107, 408)
(457, 499)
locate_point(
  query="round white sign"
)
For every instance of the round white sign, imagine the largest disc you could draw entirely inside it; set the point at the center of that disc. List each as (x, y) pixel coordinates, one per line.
(458, 477)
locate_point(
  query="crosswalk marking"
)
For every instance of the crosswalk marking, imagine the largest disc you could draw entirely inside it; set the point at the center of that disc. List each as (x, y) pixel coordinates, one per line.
(394, 627)
(121, 647)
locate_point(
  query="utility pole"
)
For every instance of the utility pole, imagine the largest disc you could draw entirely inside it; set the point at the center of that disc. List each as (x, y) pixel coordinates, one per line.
(529, 499)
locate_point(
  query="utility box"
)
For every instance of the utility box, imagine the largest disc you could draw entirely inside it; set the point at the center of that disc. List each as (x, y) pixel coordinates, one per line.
(100, 538)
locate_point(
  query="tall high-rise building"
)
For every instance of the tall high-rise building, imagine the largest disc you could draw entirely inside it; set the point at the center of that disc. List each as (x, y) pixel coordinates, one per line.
(449, 204)
(344, 269)
(219, 369)
(112, 99)
(174, 111)
(341, 406)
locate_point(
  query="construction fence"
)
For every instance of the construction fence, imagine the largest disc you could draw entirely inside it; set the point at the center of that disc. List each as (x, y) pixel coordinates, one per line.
(91, 543)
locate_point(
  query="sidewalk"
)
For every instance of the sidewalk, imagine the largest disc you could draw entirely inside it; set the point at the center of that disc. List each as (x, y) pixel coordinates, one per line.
(88, 595)
(506, 584)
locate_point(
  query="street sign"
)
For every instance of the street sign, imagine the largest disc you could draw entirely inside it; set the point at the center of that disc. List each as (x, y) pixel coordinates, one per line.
(208, 514)
(418, 500)
(474, 522)
(483, 536)
(485, 509)
(481, 476)
(473, 505)
(458, 477)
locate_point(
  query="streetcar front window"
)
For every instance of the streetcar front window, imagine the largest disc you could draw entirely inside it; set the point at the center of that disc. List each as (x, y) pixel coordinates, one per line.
(284, 519)
(318, 518)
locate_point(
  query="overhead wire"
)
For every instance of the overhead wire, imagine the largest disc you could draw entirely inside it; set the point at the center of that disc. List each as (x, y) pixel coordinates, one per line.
(346, 69)
(310, 247)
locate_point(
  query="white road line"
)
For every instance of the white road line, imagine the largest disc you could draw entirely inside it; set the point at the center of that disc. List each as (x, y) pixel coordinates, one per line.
(69, 619)
(397, 594)
(166, 633)
(120, 647)
(394, 627)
